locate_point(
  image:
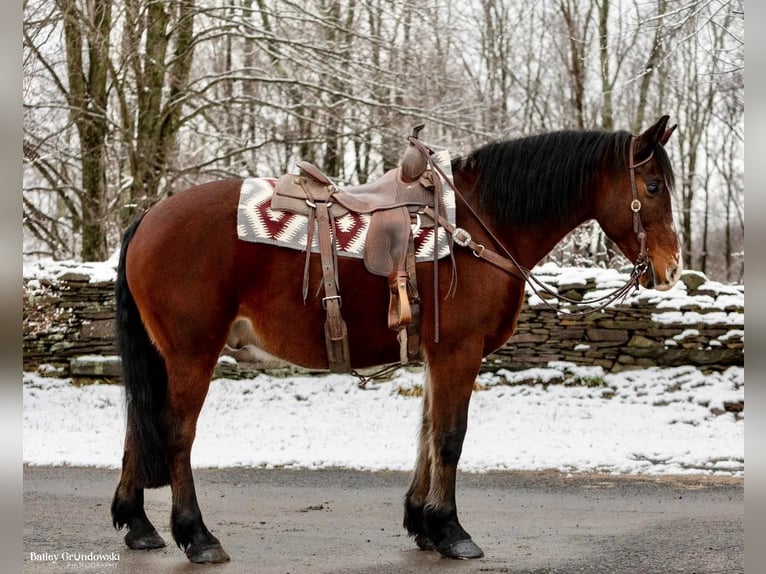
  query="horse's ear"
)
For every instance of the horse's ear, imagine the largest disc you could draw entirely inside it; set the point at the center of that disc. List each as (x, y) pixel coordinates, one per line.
(651, 137)
(668, 133)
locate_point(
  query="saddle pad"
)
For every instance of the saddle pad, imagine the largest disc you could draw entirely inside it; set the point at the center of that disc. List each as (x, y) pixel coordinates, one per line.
(258, 223)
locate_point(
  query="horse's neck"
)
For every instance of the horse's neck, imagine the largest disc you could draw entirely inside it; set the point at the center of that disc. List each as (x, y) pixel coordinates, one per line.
(528, 244)
(531, 244)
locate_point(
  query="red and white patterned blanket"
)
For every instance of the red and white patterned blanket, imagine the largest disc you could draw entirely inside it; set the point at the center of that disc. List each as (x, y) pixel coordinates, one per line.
(257, 222)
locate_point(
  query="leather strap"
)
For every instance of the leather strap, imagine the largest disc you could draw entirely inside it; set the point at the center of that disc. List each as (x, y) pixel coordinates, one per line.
(427, 153)
(463, 238)
(413, 329)
(336, 334)
(635, 204)
(399, 311)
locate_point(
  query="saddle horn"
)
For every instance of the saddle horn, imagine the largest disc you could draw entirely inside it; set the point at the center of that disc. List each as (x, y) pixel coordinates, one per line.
(413, 163)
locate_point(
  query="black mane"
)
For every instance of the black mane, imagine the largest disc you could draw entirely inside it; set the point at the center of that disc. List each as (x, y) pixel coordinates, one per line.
(541, 178)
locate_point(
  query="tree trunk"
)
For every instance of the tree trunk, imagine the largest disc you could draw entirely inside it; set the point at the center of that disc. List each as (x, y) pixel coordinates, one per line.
(607, 113)
(655, 56)
(88, 103)
(159, 117)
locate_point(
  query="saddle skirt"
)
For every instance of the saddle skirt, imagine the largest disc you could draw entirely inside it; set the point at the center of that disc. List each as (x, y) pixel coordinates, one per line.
(257, 222)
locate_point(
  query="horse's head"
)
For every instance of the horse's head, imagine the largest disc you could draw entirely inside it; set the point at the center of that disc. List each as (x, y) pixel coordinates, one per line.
(639, 202)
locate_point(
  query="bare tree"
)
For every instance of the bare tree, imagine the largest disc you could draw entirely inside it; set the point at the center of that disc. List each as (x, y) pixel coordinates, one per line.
(577, 30)
(158, 43)
(79, 86)
(126, 95)
(649, 73)
(694, 91)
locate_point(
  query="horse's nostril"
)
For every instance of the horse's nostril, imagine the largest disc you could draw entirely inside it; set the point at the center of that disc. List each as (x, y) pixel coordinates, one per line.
(672, 274)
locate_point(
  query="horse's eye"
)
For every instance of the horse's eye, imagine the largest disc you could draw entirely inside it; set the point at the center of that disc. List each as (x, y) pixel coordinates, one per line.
(653, 188)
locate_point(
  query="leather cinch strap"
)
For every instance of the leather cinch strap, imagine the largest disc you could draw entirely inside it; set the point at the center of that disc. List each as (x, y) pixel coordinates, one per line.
(336, 335)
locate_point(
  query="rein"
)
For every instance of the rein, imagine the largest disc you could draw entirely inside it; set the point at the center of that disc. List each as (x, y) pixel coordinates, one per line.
(508, 263)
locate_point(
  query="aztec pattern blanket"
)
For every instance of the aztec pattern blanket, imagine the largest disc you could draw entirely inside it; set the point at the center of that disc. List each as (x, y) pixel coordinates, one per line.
(257, 222)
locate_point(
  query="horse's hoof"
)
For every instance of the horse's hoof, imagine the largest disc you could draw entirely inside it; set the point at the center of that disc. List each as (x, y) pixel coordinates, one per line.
(144, 540)
(207, 554)
(461, 550)
(424, 542)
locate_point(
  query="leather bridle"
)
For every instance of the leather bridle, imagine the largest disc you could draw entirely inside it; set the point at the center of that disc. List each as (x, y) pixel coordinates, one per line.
(642, 263)
(508, 263)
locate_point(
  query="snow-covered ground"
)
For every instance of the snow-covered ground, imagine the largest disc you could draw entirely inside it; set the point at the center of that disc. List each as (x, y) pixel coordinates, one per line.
(653, 421)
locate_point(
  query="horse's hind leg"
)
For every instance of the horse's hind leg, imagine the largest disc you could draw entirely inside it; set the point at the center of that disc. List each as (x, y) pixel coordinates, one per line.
(145, 381)
(450, 393)
(128, 505)
(187, 387)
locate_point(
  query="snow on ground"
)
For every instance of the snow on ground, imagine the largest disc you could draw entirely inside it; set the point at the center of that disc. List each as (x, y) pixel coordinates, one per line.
(652, 421)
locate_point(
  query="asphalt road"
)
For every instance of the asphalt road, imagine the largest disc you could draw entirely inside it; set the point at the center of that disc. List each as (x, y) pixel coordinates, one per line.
(290, 521)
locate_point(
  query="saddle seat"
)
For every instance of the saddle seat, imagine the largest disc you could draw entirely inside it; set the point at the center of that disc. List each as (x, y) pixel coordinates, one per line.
(389, 191)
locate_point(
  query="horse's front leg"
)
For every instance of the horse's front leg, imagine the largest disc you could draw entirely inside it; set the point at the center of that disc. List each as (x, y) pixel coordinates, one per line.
(451, 384)
(415, 501)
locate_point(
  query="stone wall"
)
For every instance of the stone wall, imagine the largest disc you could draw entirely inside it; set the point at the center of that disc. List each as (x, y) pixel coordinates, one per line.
(68, 326)
(703, 327)
(68, 317)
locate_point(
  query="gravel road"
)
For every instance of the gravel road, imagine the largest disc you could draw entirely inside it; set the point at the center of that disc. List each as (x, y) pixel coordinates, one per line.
(298, 521)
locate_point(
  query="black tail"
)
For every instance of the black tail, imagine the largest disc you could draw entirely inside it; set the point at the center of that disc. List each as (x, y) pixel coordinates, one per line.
(145, 378)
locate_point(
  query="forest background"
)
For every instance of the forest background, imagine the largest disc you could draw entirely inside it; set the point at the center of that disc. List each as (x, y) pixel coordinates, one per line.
(126, 102)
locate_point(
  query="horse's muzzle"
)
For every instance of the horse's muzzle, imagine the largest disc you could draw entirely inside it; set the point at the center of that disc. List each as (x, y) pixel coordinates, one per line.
(651, 280)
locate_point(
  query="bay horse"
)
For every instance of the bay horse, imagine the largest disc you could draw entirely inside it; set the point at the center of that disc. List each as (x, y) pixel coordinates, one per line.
(184, 277)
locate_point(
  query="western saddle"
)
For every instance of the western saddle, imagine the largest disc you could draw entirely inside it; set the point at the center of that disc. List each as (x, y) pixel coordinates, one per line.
(396, 203)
